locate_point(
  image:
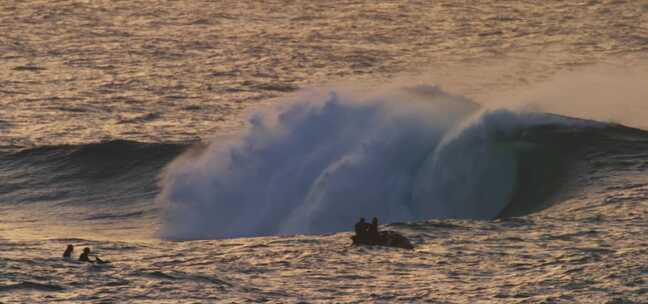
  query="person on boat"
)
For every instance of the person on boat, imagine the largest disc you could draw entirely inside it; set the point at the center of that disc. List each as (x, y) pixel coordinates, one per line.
(361, 230)
(368, 234)
(68, 251)
(373, 235)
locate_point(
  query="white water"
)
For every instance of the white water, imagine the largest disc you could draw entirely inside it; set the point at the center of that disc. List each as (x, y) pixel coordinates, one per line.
(319, 162)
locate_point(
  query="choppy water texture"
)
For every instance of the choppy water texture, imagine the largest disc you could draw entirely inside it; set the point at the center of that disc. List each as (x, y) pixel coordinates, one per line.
(82, 71)
(97, 98)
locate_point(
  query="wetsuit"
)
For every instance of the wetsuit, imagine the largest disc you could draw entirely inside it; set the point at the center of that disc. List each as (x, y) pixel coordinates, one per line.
(67, 253)
(84, 257)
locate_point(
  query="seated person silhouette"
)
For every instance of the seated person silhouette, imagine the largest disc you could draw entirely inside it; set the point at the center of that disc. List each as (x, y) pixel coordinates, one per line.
(362, 235)
(68, 252)
(360, 231)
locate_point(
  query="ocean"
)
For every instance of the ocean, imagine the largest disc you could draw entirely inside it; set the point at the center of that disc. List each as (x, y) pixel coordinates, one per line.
(221, 151)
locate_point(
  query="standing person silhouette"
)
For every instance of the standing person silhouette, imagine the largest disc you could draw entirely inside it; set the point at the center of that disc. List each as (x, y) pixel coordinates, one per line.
(374, 237)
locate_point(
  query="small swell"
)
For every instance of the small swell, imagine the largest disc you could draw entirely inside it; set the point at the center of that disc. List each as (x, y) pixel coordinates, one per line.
(112, 216)
(106, 172)
(28, 285)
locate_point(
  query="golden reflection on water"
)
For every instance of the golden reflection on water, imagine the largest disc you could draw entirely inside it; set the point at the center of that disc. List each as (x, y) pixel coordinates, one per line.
(75, 72)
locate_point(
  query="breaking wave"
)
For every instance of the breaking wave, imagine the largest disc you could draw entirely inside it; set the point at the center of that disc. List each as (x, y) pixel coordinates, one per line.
(318, 163)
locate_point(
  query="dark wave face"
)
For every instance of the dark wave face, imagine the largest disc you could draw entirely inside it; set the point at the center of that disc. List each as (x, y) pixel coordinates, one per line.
(564, 161)
(85, 182)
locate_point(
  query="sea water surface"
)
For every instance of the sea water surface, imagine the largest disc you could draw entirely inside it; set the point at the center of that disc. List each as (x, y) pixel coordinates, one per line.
(220, 151)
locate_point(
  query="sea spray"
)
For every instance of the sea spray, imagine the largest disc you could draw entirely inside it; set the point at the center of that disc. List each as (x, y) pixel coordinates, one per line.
(313, 164)
(317, 163)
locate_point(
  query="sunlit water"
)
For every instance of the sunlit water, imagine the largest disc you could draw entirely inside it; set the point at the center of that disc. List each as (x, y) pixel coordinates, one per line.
(98, 97)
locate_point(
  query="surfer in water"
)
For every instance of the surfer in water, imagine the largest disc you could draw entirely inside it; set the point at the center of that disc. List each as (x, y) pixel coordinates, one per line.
(68, 252)
(85, 257)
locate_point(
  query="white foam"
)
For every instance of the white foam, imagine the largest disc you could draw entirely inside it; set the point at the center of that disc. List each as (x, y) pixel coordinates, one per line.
(319, 162)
